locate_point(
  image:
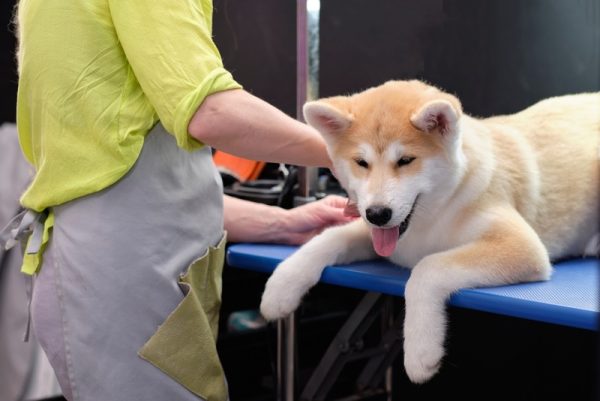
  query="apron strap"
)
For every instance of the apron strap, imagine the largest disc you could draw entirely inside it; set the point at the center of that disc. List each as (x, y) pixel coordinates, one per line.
(25, 223)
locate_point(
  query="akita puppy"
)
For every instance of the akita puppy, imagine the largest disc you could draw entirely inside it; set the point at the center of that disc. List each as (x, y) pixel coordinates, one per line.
(463, 202)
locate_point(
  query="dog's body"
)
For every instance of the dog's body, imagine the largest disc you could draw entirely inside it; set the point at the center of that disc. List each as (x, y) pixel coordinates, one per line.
(464, 202)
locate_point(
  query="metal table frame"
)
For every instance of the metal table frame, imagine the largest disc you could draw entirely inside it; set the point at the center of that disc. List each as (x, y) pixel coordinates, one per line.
(571, 298)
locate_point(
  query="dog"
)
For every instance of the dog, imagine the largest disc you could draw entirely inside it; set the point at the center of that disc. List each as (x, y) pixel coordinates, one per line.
(462, 201)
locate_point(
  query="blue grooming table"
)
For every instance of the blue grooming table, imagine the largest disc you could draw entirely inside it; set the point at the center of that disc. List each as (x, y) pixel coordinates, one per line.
(570, 298)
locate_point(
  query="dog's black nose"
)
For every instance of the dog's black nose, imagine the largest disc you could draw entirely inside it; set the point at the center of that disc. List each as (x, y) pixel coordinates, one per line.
(379, 215)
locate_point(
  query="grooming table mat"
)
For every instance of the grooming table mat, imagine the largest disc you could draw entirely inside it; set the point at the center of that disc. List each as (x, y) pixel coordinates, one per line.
(570, 298)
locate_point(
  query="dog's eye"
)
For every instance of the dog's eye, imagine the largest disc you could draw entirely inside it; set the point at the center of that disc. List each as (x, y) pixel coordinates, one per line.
(404, 161)
(362, 163)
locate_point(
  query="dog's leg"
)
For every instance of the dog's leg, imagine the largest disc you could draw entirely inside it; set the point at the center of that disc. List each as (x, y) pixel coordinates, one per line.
(302, 270)
(593, 247)
(509, 251)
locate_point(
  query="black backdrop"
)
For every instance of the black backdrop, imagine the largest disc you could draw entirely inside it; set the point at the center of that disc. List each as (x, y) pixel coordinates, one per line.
(8, 70)
(498, 56)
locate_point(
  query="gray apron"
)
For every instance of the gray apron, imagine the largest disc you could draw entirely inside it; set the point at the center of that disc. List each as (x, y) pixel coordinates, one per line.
(25, 373)
(126, 302)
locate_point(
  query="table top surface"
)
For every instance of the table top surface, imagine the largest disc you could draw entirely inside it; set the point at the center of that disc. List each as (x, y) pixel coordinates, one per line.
(569, 298)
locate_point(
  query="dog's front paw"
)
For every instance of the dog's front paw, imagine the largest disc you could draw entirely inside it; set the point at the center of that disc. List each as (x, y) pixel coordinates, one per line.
(424, 334)
(422, 358)
(281, 297)
(294, 277)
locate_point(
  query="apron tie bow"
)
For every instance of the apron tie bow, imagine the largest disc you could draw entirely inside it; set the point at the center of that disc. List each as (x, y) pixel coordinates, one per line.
(27, 222)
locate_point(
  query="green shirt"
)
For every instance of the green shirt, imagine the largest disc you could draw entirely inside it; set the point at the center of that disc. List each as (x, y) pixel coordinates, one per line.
(97, 75)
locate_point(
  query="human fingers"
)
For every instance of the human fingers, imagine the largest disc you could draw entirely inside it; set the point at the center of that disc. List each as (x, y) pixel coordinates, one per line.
(335, 201)
(333, 214)
(351, 209)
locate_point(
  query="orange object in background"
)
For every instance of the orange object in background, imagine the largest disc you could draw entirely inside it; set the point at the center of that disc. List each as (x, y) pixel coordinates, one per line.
(241, 169)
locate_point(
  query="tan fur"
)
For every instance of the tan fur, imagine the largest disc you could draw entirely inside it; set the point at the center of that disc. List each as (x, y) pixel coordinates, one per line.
(493, 200)
(546, 156)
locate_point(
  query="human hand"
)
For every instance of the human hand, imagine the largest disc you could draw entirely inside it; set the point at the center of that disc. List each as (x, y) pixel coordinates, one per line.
(304, 222)
(351, 209)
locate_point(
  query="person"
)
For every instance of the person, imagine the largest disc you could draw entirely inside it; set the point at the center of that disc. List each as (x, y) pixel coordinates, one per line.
(119, 104)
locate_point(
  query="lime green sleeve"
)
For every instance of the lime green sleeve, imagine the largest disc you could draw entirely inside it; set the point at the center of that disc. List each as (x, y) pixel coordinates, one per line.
(173, 57)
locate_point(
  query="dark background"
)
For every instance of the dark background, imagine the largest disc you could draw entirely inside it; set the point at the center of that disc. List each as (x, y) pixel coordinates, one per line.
(8, 68)
(497, 56)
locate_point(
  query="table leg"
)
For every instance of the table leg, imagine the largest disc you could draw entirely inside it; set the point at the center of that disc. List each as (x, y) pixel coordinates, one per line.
(286, 347)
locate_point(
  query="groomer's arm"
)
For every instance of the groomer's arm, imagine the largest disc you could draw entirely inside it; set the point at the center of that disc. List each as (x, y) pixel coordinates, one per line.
(247, 221)
(242, 124)
(251, 221)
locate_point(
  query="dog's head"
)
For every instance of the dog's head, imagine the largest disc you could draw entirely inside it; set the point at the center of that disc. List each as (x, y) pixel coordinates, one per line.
(392, 147)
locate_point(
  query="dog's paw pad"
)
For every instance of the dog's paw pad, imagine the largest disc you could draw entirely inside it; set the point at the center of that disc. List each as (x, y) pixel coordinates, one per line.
(275, 310)
(279, 300)
(422, 361)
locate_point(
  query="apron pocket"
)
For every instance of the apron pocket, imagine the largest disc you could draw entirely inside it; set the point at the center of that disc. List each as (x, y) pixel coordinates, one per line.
(184, 346)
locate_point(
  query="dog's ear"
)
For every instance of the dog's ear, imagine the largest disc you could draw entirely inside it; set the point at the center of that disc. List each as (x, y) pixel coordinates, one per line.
(325, 117)
(438, 115)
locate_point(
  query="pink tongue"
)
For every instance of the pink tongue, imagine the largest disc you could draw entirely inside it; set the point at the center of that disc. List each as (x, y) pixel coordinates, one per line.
(384, 240)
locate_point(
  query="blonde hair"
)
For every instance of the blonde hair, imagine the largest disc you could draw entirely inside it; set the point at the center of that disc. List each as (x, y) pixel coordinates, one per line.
(14, 27)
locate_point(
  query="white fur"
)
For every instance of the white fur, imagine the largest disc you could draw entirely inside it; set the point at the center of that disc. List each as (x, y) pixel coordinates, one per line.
(325, 117)
(298, 273)
(393, 152)
(426, 119)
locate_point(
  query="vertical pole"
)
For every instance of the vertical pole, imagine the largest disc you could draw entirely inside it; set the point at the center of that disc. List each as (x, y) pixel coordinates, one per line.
(290, 351)
(388, 323)
(280, 384)
(307, 87)
(307, 80)
(301, 55)
(286, 362)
